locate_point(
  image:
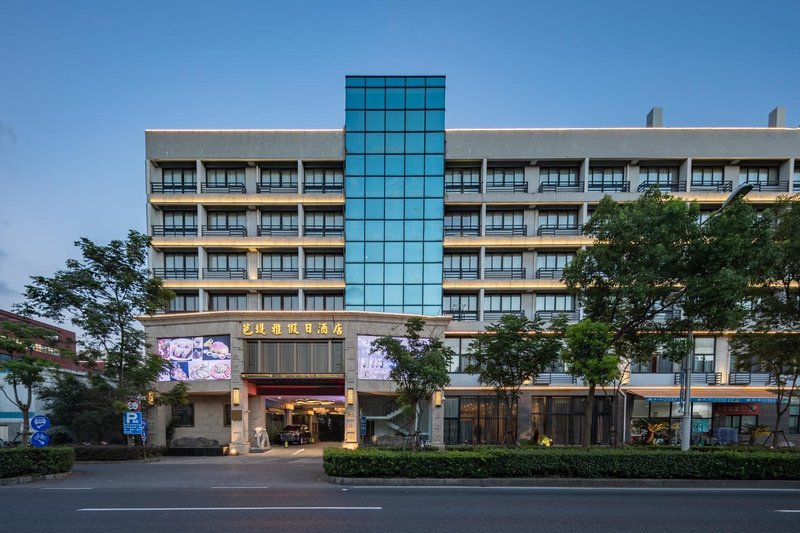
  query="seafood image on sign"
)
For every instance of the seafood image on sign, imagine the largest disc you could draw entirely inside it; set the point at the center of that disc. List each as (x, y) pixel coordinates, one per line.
(196, 358)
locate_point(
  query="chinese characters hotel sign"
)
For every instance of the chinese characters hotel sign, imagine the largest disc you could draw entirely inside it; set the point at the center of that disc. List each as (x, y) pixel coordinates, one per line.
(279, 329)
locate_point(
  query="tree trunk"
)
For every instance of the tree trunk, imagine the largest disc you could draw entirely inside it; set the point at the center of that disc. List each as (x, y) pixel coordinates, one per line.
(26, 423)
(777, 428)
(588, 409)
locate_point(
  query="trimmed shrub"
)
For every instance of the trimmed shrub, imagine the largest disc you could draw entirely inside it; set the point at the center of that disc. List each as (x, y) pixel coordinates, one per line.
(25, 461)
(563, 462)
(114, 453)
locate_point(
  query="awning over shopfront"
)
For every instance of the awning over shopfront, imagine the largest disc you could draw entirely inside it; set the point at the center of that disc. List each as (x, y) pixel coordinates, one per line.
(706, 394)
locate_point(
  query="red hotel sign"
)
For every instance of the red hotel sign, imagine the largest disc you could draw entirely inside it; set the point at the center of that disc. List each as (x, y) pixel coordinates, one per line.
(736, 409)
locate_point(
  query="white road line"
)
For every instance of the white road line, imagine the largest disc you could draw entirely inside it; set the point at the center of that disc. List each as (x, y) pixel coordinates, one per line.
(787, 510)
(237, 488)
(620, 489)
(122, 509)
(299, 451)
(66, 488)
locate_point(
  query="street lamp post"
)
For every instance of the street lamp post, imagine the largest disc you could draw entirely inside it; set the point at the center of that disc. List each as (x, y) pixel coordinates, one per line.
(686, 386)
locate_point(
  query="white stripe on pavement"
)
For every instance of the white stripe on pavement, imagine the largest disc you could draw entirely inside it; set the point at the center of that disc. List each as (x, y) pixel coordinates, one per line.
(66, 488)
(299, 451)
(236, 488)
(787, 510)
(119, 509)
(619, 489)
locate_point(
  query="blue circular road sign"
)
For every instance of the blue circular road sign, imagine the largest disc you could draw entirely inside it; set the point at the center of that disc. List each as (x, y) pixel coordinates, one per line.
(40, 422)
(40, 439)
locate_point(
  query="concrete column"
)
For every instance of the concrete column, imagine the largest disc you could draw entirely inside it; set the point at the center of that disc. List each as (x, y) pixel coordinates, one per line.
(257, 417)
(685, 173)
(301, 262)
(584, 176)
(481, 262)
(484, 172)
(483, 220)
(240, 423)
(722, 359)
(201, 175)
(253, 261)
(252, 221)
(301, 220)
(301, 300)
(481, 294)
(437, 425)
(785, 176)
(791, 174)
(250, 179)
(301, 178)
(352, 437)
(201, 219)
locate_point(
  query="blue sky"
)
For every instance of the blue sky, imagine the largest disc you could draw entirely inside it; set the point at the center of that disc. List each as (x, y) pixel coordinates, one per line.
(81, 81)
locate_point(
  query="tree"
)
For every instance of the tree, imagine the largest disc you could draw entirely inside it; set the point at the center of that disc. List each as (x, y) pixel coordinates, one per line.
(589, 354)
(21, 370)
(510, 353)
(419, 366)
(102, 294)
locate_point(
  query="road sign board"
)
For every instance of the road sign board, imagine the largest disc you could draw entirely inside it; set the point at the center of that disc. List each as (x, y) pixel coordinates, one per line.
(363, 425)
(133, 404)
(40, 439)
(132, 423)
(40, 423)
(144, 431)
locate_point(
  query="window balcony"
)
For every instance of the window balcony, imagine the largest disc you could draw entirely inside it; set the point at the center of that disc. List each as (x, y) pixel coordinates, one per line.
(555, 378)
(462, 231)
(224, 273)
(174, 231)
(761, 186)
(278, 230)
(701, 378)
(559, 229)
(225, 231)
(509, 186)
(176, 273)
(721, 186)
(676, 186)
(173, 188)
(323, 231)
(549, 273)
(504, 273)
(747, 378)
(520, 230)
(324, 273)
(278, 273)
(490, 315)
(549, 316)
(573, 186)
(666, 315)
(224, 188)
(462, 187)
(335, 187)
(284, 188)
(460, 273)
(602, 186)
(462, 314)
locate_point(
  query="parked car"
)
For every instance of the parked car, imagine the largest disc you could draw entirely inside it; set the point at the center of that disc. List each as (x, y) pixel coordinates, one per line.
(298, 433)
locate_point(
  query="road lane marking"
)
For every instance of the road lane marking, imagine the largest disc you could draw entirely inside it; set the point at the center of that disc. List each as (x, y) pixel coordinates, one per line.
(237, 488)
(787, 510)
(66, 488)
(606, 489)
(299, 451)
(285, 508)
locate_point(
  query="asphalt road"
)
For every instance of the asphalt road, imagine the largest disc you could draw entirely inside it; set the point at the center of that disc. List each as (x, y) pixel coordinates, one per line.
(286, 489)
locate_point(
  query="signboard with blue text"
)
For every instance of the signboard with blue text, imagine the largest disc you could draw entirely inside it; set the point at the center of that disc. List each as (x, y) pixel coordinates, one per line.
(132, 423)
(40, 423)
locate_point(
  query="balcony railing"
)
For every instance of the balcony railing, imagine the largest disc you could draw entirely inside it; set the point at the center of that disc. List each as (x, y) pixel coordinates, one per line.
(624, 186)
(559, 229)
(493, 316)
(235, 187)
(278, 230)
(746, 378)
(173, 188)
(561, 187)
(462, 314)
(511, 186)
(324, 231)
(549, 273)
(722, 186)
(174, 231)
(549, 316)
(462, 187)
(224, 273)
(462, 231)
(703, 378)
(665, 315)
(504, 273)
(225, 231)
(336, 187)
(769, 187)
(520, 230)
(460, 273)
(262, 187)
(676, 186)
(176, 273)
(324, 273)
(555, 378)
(278, 273)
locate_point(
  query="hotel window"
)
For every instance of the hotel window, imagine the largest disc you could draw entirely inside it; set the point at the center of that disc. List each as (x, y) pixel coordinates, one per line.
(661, 177)
(324, 223)
(703, 354)
(461, 266)
(551, 265)
(279, 266)
(739, 421)
(230, 262)
(555, 303)
(232, 223)
(227, 302)
(461, 349)
(324, 302)
(278, 223)
(559, 219)
(178, 180)
(183, 303)
(505, 223)
(280, 302)
(558, 177)
(607, 179)
(224, 177)
(497, 305)
(758, 175)
(462, 180)
(177, 224)
(460, 306)
(462, 223)
(278, 180)
(183, 415)
(178, 266)
(323, 180)
(324, 266)
(503, 266)
(707, 176)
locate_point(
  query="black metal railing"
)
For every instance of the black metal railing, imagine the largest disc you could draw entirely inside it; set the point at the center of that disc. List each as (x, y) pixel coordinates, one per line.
(549, 273)
(460, 273)
(224, 273)
(520, 230)
(746, 378)
(173, 188)
(504, 273)
(324, 273)
(555, 378)
(277, 230)
(174, 231)
(324, 188)
(703, 378)
(561, 187)
(462, 314)
(511, 186)
(768, 187)
(676, 186)
(549, 316)
(235, 187)
(462, 231)
(559, 229)
(722, 186)
(490, 315)
(278, 273)
(262, 187)
(224, 230)
(623, 186)
(462, 187)
(176, 273)
(665, 315)
(324, 231)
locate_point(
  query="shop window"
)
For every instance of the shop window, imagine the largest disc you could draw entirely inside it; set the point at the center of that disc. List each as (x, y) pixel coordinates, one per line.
(226, 415)
(739, 421)
(794, 416)
(183, 415)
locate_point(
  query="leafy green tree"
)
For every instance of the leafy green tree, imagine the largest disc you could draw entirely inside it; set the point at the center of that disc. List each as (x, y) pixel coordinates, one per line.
(419, 366)
(509, 354)
(22, 373)
(102, 294)
(590, 356)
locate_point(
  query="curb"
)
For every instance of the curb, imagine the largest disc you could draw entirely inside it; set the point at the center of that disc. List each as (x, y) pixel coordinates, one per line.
(566, 482)
(19, 480)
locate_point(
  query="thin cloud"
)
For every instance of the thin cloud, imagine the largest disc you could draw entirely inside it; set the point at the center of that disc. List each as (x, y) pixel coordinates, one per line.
(7, 132)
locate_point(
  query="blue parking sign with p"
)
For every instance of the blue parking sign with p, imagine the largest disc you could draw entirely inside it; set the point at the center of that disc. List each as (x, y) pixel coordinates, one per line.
(132, 423)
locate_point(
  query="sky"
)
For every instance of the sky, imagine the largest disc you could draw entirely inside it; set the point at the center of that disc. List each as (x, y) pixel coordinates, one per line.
(80, 82)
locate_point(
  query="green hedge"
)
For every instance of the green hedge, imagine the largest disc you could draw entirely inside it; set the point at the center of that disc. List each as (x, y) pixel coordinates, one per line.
(26, 461)
(563, 462)
(114, 453)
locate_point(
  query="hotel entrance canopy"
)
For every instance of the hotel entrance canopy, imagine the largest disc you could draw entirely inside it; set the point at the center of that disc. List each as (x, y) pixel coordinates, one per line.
(706, 394)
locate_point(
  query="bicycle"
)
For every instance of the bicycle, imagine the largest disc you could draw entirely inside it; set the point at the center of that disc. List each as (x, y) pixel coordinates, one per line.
(17, 441)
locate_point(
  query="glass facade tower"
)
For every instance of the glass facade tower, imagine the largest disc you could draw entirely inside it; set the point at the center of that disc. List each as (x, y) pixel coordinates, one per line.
(394, 193)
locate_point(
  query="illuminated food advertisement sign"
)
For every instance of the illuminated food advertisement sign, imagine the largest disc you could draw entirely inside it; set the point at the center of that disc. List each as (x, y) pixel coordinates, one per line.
(374, 365)
(196, 358)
